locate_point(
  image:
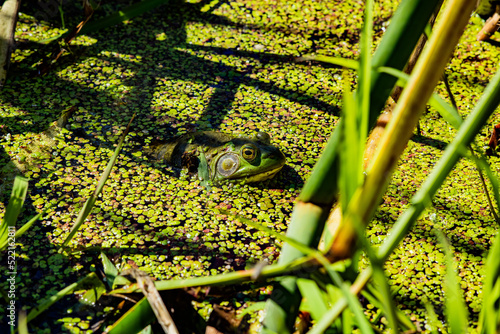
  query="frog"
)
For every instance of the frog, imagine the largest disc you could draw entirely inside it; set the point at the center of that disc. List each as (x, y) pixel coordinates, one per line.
(221, 157)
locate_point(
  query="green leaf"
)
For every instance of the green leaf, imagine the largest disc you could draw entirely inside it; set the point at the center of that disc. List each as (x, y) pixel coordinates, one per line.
(352, 147)
(89, 279)
(94, 288)
(255, 307)
(134, 320)
(203, 171)
(110, 270)
(489, 318)
(16, 201)
(343, 62)
(314, 298)
(455, 310)
(432, 319)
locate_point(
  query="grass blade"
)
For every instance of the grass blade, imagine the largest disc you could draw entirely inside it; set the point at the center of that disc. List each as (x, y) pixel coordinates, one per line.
(455, 311)
(89, 279)
(338, 61)
(110, 270)
(313, 298)
(134, 320)
(89, 204)
(351, 153)
(388, 306)
(489, 318)
(432, 319)
(16, 201)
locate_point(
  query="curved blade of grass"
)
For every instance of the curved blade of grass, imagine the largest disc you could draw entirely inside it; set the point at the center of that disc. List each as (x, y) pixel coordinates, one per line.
(455, 309)
(336, 310)
(375, 297)
(351, 298)
(134, 320)
(432, 319)
(489, 318)
(110, 270)
(89, 204)
(313, 298)
(338, 61)
(89, 279)
(386, 298)
(16, 201)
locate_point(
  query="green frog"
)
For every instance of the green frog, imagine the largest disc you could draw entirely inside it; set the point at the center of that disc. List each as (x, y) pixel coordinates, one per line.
(220, 157)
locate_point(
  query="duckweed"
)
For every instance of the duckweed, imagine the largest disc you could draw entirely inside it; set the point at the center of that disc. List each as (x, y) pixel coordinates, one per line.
(231, 73)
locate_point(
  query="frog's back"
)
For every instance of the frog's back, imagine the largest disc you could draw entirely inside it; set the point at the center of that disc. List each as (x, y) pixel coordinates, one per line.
(178, 149)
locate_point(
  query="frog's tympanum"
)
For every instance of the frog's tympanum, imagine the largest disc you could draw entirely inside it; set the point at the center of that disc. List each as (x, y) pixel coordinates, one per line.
(220, 157)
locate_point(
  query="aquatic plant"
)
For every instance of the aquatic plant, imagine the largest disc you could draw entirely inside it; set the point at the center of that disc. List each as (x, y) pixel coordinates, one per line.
(156, 218)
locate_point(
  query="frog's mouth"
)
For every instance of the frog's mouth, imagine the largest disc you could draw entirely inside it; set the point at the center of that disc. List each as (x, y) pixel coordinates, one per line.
(262, 176)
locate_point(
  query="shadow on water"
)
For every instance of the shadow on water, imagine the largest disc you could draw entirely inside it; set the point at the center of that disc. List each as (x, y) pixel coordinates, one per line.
(43, 98)
(287, 177)
(493, 42)
(37, 101)
(436, 143)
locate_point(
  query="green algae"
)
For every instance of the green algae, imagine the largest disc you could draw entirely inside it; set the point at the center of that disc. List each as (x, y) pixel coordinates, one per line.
(228, 69)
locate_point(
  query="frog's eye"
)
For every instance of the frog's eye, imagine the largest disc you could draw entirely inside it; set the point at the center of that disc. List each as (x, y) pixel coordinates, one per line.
(228, 164)
(249, 152)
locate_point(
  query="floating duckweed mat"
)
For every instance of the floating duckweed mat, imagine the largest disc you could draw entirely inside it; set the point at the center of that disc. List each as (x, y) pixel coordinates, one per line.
(227, 67)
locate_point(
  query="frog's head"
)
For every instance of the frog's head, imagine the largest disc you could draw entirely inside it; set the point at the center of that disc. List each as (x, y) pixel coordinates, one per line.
(246, 159)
